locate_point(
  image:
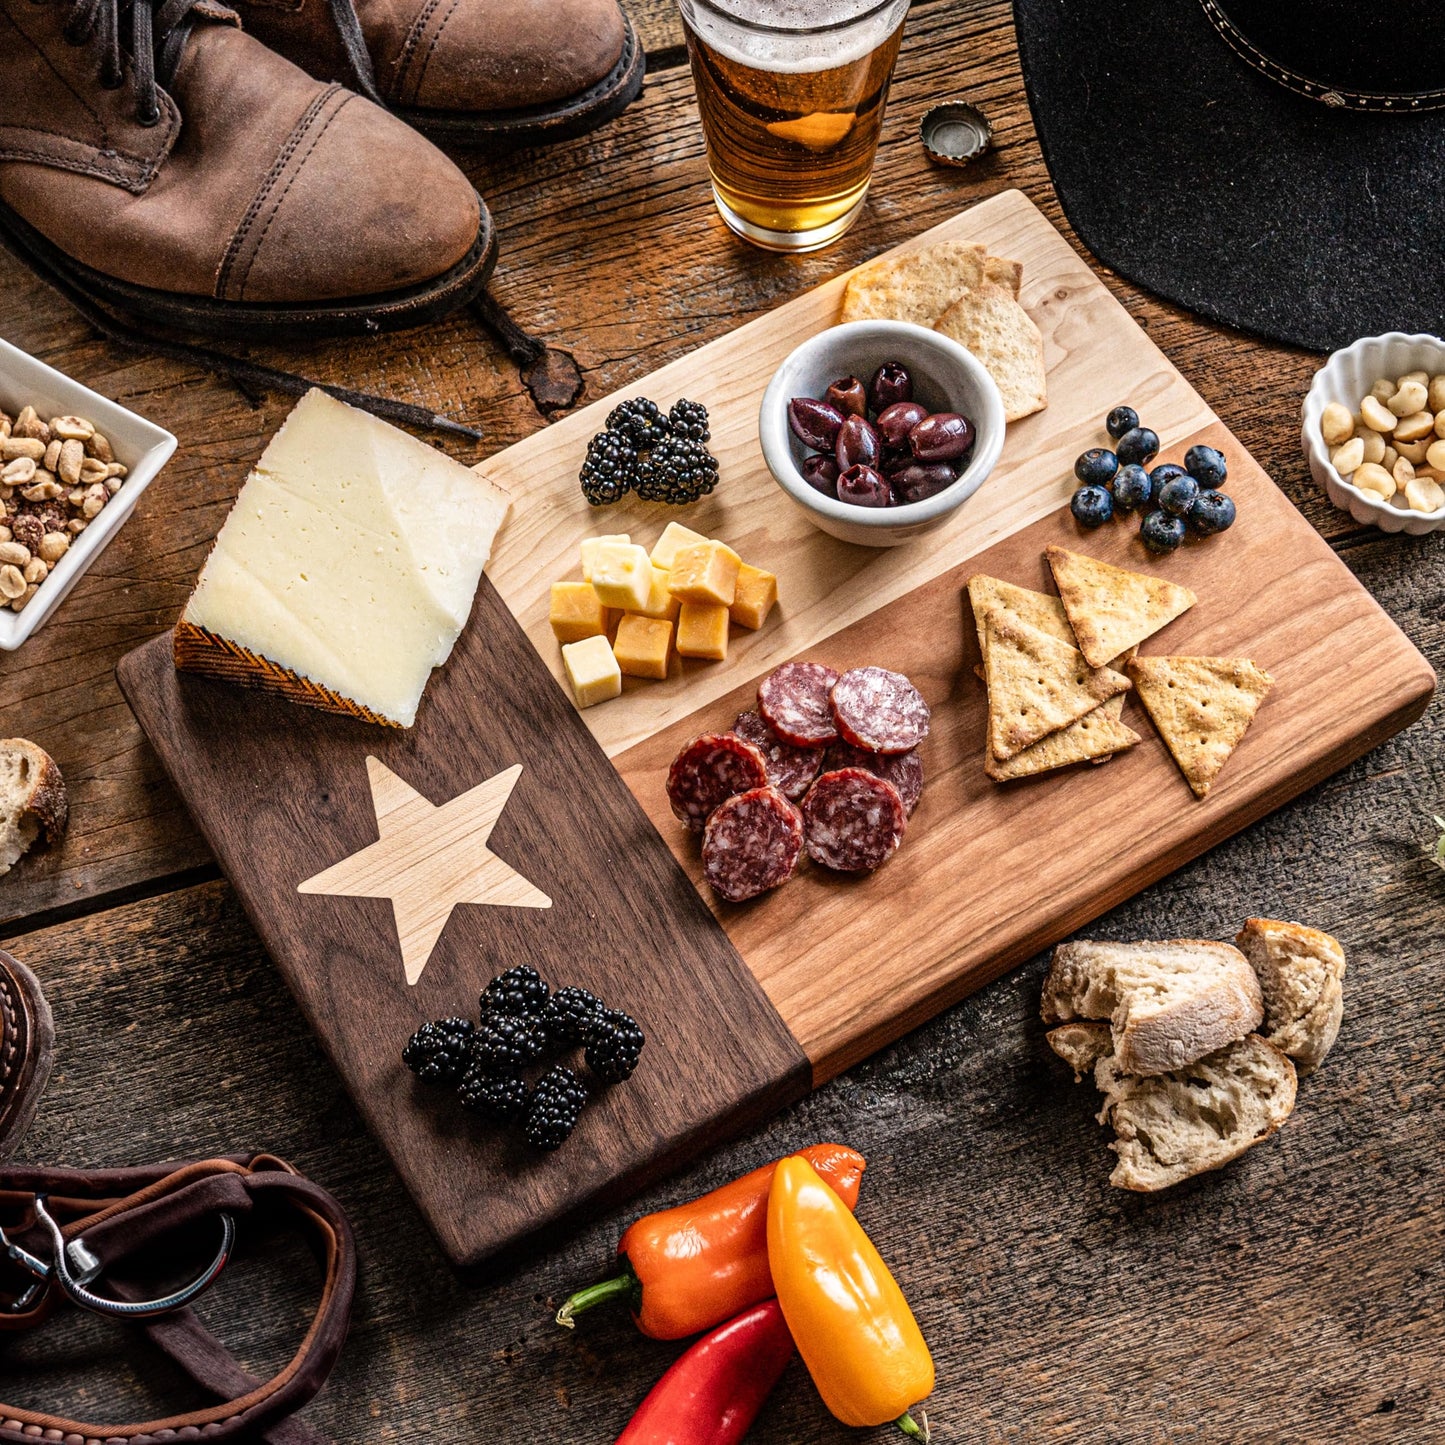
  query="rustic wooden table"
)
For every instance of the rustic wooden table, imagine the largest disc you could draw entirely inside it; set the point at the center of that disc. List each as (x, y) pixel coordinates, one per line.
(1299, 1295)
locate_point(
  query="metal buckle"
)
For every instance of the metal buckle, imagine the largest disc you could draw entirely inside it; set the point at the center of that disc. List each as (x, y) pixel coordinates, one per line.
(75, 1267)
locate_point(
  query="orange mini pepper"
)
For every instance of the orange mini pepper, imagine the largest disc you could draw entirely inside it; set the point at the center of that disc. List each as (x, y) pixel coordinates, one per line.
(689, 1268)
(847, 1315)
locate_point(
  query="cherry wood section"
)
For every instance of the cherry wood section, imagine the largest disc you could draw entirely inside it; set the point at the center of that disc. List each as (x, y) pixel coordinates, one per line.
(283, 792)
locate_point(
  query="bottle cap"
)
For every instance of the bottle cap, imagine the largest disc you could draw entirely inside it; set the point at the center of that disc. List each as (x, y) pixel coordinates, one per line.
(955, 133)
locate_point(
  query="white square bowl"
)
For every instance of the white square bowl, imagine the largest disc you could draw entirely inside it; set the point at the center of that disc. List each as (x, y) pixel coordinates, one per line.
(139, 445)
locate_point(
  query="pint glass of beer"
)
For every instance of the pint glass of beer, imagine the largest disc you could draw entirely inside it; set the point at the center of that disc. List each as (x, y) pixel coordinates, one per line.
(791, 94)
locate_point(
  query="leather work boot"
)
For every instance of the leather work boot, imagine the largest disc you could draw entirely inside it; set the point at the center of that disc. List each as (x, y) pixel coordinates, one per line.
(157, 160)
(523, 72)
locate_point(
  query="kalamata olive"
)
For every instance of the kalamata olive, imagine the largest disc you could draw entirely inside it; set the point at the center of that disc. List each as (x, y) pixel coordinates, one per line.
(891, 382)
(858, 444)
(814, 422)
(896, 421)
(849, 396)
(941, 437)
(921, 481)
(895, 459)
(864, 487)
(821, 473)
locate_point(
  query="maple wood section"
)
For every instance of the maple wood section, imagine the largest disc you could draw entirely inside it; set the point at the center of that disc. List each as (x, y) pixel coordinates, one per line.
(990, 873)
(282, 793)
(610, 247)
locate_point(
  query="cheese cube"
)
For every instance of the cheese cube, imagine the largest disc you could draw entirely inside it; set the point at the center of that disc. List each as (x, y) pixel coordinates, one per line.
(756, 593)
(702, 630)
(705, 572)
(577, 612)
(674, 536)
(622, 576)
(660, 601)
(592, 670)
(589, 550)
(644, 646)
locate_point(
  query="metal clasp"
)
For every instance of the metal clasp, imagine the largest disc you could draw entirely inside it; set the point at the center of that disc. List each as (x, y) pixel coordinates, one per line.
(75, 1267)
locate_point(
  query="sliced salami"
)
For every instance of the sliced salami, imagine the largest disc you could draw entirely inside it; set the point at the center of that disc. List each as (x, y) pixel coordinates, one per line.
(853, 820)
(903, 770)
(790, 770)
(794, 700)
(708, 771)
(751, 843)
(879, 710)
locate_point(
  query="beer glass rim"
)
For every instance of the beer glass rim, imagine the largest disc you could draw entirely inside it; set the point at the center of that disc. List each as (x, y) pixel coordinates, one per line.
(758, 27)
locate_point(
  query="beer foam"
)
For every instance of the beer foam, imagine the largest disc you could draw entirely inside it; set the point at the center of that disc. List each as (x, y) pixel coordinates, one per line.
(790, 40)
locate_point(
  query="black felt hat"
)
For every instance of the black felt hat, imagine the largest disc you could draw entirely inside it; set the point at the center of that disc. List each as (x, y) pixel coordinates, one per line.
(1278, 165)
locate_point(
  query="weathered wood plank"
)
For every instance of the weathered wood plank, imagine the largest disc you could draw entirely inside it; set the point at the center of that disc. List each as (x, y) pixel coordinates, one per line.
(610, 248)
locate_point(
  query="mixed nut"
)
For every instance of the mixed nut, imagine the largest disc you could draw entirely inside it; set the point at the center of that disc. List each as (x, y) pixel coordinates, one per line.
(55, 478)
(1395, 445)
(874, 445)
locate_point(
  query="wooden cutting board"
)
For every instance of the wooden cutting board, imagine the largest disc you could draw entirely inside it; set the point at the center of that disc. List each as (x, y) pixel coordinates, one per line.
(744, 1004)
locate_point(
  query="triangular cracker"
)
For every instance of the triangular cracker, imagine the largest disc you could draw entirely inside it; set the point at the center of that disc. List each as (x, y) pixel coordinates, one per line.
(1039, 609)
(1202, 706)
(1111, 608)
(989, 321)
(1094, 737)
(1036, 684)
(1114, 708)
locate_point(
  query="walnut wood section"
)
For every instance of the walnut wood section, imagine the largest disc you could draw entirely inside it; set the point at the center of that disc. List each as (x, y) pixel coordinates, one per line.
(281, 792)
(1095, 356)
(990, 873)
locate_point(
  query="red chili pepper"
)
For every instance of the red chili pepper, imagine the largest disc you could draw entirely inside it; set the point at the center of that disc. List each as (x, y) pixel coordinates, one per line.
(713, 1392)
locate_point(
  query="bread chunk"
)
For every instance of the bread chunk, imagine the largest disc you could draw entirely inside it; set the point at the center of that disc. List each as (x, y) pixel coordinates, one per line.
(1173, 1126)
(1168, 1004)
(32, 799)
(1081, 1045)
(1301, 975)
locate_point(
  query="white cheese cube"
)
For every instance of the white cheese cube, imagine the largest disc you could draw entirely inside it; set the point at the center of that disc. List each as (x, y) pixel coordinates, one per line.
(590, 546)
(592, 670)
(622, 576)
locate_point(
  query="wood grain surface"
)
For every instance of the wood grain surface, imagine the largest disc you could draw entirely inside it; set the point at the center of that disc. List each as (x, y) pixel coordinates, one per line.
(1296, 1296)
(285, 796)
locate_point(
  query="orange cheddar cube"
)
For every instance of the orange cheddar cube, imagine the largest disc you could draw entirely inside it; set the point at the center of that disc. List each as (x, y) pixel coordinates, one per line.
(644, 646)
(756, 593)
(705, 572)
(702, 630)
(674, 537)
(577, 612)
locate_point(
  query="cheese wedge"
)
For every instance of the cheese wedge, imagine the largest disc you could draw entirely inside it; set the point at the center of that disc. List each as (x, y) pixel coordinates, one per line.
(346, 569)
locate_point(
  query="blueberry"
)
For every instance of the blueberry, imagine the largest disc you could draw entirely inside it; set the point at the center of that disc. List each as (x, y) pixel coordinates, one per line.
(1160, 532)
(1096, 467)
(1164, 472)
(1138, 444)
(1178, 495)
(1122, 419)
(1092, 506)
(1213, 512)
(1132, 488)
(1207, 466)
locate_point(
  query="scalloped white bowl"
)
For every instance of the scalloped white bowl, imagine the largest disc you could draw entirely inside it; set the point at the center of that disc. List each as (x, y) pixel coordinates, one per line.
(1347, 377)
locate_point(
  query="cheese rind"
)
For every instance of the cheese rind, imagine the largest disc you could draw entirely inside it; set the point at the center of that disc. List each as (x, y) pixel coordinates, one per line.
(702, 630)
(674, 536)
(592, 671)
(622, 576)
(756, 593)
(350, 559)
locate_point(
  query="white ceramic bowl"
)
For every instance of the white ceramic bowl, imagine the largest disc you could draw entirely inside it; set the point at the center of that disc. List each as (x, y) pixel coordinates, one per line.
(1347, 377)
(140, 445)
(946, 377)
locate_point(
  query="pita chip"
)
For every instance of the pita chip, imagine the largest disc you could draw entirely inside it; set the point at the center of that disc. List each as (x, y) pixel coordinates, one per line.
(1036, 684)
(1038, 609)
(991, 323)
(1112, 609)
(1095, 737)
(1202, 707)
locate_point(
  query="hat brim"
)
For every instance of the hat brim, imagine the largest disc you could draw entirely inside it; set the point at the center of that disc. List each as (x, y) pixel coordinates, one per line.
(1193, 175)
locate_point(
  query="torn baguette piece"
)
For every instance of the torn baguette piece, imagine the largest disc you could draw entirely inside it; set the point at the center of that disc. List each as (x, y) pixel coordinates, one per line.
(1301, 975)
(1167, 1003)
(1081, 1045)
(33, 803)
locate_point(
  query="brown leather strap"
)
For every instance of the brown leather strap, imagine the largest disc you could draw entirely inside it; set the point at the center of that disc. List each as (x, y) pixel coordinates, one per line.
(121, 1211)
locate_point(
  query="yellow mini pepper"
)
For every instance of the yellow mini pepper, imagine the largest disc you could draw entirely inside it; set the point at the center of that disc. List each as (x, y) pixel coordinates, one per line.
(847, 1315)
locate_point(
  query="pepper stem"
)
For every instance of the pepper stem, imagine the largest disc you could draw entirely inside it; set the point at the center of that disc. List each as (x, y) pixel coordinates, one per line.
(910, 1426)
(624, 1284)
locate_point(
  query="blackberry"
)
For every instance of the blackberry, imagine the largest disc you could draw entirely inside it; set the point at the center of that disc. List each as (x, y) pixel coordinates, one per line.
(689, 421)
(610, 468)
(677, 471)
(437, 1052)
(614, 1046)
(518, 991)
(502, 1097)
(506, 1042)
(640, 421)
(554, 1108)
(570, 1014)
